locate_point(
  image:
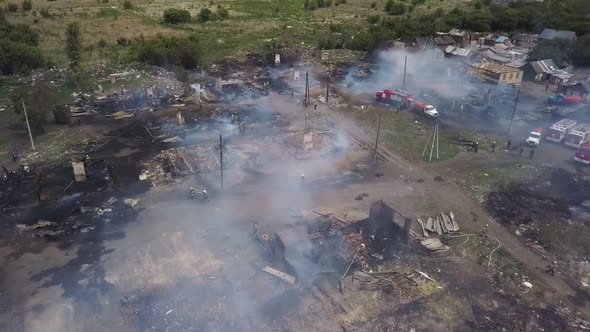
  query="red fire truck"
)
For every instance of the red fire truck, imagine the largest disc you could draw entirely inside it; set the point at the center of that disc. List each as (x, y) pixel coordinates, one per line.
(556, 133)
(583, 154)
(394, 97)
(578, 135)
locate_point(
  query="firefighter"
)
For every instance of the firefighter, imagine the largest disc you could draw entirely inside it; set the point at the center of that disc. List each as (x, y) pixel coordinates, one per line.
(302, 177)
(475, 146)
(493, 146)
(315, 107)
(531, 153)
(520, 151)
(508, 145)
(14, 155)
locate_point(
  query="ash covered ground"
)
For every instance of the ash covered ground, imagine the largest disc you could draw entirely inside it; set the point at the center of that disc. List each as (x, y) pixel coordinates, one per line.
(129, 250)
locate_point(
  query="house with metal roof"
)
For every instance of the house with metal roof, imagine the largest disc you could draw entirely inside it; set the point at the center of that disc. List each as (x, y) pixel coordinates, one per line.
(495, 73)
(453, 51)
(545, 70)
(552, 34)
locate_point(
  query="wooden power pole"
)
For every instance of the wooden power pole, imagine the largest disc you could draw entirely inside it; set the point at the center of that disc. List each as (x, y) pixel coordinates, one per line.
(377, 137)
(405, 67)
(221, 158)
(513, 111)
(28, 126)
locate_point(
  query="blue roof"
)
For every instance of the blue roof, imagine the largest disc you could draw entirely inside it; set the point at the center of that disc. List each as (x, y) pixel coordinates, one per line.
(501, 39)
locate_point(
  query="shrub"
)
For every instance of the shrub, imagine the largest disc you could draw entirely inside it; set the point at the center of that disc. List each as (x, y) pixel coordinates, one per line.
(373, 19)
(223, 13)
(205, 15)
(169, 51)
(122, 41)
(102, 43)
(62, 115)
(175, 16)
(45, 13)
(27, 5)
(12, 7)
(478, 5)
(127, 4)
(373, 5)
(393, 8)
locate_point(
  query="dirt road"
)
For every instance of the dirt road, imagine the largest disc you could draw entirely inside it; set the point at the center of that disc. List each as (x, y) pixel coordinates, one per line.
(453, 198)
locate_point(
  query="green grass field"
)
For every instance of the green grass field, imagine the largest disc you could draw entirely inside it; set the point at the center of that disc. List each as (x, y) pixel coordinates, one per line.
(252, 24)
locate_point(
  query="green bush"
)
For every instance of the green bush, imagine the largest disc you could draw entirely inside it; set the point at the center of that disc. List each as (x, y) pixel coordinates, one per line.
(122, 41)
(394, 8)
(169, 51)
(206, 15)
(373, 5)
(127, 5)
(175, 16)
(12, 7)
(44, 12)
(478, 5)
(27, 5)
(373, 19)
(62, 115)
(102, 43)
(223, 13)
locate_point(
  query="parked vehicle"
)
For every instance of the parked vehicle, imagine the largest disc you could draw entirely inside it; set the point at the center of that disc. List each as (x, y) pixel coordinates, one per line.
(534, 137)
(558, 131)
(561, 99)
(583, 154)
(426, 109)
(394, 97)
(578, 135)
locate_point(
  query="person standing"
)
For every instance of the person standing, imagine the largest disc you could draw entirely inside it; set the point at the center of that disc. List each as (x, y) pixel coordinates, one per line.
(508, 145)
(493, 146)
(531, 153)
(521, 151)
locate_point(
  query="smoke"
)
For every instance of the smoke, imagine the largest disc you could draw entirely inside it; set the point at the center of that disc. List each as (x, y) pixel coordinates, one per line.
(425, 73)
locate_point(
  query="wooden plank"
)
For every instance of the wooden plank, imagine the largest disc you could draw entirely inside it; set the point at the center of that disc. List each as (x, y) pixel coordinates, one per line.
(455, 224)
(281, 275)
(430, 224)
(447, 222)
(437, 226)
(421, 223)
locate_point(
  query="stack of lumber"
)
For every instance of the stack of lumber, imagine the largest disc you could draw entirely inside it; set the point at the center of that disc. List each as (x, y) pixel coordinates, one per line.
(441, 224)
(435, 246)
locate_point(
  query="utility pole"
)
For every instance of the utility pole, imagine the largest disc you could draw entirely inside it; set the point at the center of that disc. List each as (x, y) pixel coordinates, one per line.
(221, 158)
(513, 111)
(405, 66)
(328, 85)
(377, 138)
(306, 98)
(28, 126)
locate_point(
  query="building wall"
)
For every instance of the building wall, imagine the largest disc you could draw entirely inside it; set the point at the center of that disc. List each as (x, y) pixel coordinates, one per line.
(511, 78)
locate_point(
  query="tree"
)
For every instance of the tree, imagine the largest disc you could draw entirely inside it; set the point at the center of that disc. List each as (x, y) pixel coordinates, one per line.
(39, 101)
(581, 51)
(127, 5)
(73, 44)
(169, 51)
(12, 7)
(176, 16)
(557, 50)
